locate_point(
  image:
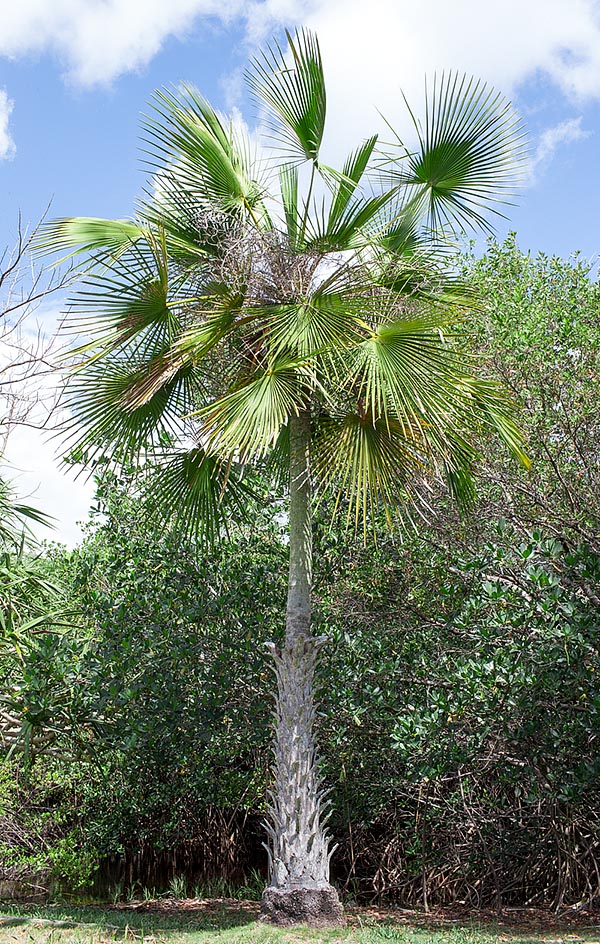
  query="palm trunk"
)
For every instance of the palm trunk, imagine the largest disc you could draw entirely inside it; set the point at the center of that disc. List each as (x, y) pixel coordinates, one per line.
(299, 853)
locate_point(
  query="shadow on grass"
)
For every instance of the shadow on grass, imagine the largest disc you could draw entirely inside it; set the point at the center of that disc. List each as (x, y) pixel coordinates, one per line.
(147, 917)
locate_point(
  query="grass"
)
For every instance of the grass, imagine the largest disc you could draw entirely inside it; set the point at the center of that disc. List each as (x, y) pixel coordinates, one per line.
(67, 924)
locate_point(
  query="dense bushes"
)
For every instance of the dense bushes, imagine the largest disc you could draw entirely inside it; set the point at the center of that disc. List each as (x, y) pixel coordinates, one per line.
(460, 708)
(458, 731)
(468, 759)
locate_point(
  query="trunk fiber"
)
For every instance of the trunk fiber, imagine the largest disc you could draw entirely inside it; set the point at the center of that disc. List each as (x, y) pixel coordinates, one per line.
(299, 845)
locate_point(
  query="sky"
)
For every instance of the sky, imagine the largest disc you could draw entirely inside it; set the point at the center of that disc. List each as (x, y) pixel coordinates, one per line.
(76, 75)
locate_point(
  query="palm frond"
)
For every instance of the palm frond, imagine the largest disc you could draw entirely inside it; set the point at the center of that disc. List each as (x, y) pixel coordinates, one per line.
(248, 420)
(408, 373)
(367, 463)
(406, 365)
(193, 234)
(470, 155)
(410, 379)
(132, 299)
(294, 94)
(190, 144)
(109, 415)
(327, 319)
(15, 517)
(87, 235)
(198, 493)
(349, 179)
(496, 412)
(350, 230)
(215, 315)
(288, 181)
(396, 229)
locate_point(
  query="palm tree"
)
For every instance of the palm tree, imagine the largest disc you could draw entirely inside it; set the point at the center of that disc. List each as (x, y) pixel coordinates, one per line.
(266, 309)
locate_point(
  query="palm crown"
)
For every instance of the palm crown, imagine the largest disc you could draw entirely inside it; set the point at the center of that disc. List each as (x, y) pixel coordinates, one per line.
(239, 299)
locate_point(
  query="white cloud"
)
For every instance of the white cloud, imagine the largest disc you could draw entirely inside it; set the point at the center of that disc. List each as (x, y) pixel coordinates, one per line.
(377, 47)
(552, 138)
(371, 51)
(503, 41)
(40, 480)
(30, 453)
(7, 145)
(99, 40)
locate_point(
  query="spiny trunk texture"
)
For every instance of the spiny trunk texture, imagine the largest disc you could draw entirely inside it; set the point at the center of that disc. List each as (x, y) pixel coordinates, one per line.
(299, 854)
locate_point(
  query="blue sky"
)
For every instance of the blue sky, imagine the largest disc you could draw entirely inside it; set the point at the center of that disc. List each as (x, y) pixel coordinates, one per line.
(76, 74)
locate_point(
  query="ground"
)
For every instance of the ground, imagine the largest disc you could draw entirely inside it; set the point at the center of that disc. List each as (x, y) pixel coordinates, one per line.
(224, 921)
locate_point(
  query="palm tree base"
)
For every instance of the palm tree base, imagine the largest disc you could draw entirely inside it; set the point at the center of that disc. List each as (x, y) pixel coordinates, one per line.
(319, 907)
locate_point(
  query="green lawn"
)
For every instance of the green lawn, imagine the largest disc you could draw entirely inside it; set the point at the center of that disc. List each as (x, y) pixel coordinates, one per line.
(222, 924)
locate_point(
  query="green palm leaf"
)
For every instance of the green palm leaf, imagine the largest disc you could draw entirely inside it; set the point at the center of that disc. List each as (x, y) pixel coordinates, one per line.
(329, 318)
(247, 421)
(193, 237)
(371, 463)
(470, 154)
(189, 140)
(121, 410)
(14, 518)
(349, 179)
(197, 493)
(288, 182)
(88, 235)
(405, 365)
(350, 229)
(496, 413)
(294, 94)
(215, 315)
(131, 298)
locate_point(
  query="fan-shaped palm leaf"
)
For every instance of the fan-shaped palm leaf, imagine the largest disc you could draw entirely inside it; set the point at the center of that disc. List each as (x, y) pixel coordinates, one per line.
(247, 421)
(371, 462)
(294, 93)
(189, 141)
(131, 298)
(110, 415)
(198, 493)
(216, 313)
(405, 365)
(470, 153)
(329, 318)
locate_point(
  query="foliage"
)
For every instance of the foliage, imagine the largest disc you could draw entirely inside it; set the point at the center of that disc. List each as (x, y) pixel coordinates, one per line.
(38, 665)
(460, 709)
(169, 620)
(43, 834)
(540, 335)
(466, 697)
(175, 680)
